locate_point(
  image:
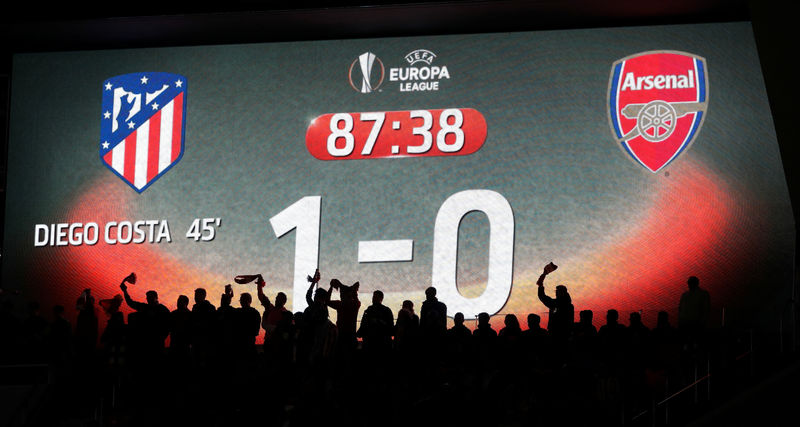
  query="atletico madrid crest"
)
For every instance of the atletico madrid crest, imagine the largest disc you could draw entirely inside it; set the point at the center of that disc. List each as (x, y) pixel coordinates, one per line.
(657, 102)
(142, 128)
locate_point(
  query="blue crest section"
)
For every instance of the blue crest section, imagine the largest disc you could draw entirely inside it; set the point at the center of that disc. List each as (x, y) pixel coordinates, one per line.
(164, 85)
(613, 100)
(701, 78)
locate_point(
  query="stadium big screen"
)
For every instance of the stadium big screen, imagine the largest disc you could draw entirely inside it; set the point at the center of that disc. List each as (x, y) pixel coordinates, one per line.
(631, 157)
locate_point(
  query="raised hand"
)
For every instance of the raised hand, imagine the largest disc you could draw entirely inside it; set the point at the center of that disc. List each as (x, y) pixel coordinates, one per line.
(316, 277)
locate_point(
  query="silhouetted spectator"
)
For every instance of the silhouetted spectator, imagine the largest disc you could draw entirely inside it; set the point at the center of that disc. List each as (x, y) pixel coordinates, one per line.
(85, 327)
(224, 328)
(115, 341)
(34, 331)
(60, 337)
(693, 311)
(180, 323)
(562, 312)
(247, 325)
(535, 340)
(509, 340)
(301, 339)
(377, 326)
(534, 326)
(613, 339)
(406, 329)
(317, 311)
(485, 339)
(511, 328)
(638, 333)
(153, 322)
(346, 316)
(202, 327)
(111, 305)
(637, 359)
(459, 337)
(433, 322)
(320, 333)
(584, 328)
(272, 313)
(666, 344)
(282, 341)
(584, 339)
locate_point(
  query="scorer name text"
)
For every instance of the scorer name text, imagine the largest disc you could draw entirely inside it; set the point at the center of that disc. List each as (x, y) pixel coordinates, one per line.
(113, 232)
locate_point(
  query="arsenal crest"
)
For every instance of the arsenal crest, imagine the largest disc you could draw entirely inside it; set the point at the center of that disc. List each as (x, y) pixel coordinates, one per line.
(141, 133)
(657, 102)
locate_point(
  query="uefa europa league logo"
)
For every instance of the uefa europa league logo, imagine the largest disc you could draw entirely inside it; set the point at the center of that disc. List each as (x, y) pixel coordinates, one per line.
(369, 72)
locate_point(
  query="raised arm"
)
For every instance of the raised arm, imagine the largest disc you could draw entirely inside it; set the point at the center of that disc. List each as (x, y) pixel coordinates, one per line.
(309, 292)
(136, 305)
(546, 300)
(314, 280)
(263, 299)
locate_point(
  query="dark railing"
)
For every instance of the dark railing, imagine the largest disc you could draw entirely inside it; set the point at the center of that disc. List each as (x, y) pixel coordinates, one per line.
(37, 378)
(667, 403)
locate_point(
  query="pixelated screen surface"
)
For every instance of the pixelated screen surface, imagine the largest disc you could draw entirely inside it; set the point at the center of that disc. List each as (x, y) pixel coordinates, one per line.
(633, 158)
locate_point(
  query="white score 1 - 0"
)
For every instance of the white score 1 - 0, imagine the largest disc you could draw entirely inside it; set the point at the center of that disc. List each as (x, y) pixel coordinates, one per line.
(304, 217)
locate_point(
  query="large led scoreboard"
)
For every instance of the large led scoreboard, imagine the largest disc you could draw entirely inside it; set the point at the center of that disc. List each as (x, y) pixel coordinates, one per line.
(632, 157)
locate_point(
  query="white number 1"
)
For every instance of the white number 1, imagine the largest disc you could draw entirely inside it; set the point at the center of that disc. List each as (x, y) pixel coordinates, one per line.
(302, 215)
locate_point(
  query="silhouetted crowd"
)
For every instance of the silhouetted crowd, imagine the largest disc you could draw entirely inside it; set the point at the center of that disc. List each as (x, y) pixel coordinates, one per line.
(201, 365)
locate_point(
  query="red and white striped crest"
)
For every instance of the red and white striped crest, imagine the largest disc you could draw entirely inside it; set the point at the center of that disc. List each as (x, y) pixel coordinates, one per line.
(142, 131)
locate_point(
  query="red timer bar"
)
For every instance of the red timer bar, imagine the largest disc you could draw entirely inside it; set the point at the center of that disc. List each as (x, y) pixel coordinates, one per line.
(417, 133)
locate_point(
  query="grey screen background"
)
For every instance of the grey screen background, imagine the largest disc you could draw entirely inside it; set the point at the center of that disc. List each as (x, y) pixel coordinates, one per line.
(549, 152)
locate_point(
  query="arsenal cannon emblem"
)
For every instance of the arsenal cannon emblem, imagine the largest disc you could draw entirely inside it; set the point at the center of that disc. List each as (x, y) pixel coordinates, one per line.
(657, 102)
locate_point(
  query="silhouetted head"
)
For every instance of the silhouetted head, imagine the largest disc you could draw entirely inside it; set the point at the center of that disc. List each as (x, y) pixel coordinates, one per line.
(85, 300)
(183, 301)
(635, 319)
(111, 305)
(533, 321)
(280, 299)
(612, 316)
(199, 295)
(459, 318)
(511, 321)
(349, 293)
(245, 300)
(377, 297)
(430, 293)
(298, 319)
(320, 296)
(562, 294)
(483, 319)
(151, 297)
(408, 305)
(586, 316)
(693, 282)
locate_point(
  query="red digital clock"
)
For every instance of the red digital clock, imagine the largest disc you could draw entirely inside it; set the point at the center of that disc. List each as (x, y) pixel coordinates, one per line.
(417, 133)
